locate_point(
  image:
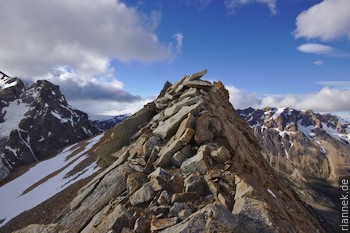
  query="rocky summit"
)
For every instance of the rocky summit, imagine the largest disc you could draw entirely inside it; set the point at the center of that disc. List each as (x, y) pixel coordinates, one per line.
(35, 121)
(184, 163)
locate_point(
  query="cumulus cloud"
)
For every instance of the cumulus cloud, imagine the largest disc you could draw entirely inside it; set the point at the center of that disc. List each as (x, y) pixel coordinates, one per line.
(48, 33)
(328, 99)
(110, 108)
(77, 87)
(318, 62)
(72, 44)
(233, 5)
(327, 20)
(316, 49)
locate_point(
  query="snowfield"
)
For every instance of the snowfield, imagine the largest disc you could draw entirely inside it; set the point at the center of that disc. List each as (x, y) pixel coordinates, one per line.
(14, 201)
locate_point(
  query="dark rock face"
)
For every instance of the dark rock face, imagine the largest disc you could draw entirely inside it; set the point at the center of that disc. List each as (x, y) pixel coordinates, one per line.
(220, 184)
(36, 120)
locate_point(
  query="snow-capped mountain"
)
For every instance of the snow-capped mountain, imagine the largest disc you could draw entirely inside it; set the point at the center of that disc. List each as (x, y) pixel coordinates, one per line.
(311, 143)
(105, 124)
(35, 121)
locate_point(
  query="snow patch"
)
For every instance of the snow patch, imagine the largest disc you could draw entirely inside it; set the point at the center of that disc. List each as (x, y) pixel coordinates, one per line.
(269, 190)
(14, 114)
(335, 134)
(13, 201)
(306, 130)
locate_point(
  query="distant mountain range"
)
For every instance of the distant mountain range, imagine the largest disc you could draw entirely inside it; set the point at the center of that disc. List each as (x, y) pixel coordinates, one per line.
(35, 121)
(108, 123)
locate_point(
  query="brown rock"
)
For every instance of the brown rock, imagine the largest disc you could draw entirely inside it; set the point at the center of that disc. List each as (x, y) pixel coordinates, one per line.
(144, 194)
(175, 184)
(225, 200)
(177, 159)
(188, 122)
(116, 220)
(221, 155)
(185, 197)
(159, 224)
(195, 183)
(203, 133)
(186, 136)
(177, 207)
(143, 224)
(163, 198)
(135, 181)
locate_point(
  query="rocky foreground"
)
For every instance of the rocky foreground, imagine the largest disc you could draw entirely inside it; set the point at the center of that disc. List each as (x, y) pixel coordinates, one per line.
(184, 163)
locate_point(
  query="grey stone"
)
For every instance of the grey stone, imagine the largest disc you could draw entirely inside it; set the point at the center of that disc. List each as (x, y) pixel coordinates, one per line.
(177, 207)
(177, 159)
(37, 228)
(167, 152)
(203, 133)
(185, 197)
(197, 163)
(100, 196)
(195, 183)
(169, 127)
(200, 84)
(159, 224)
(163, 198)
(135, 181)
(212, 218)
(221, 155)
(196, 76)
(116, 220)
(144, 194)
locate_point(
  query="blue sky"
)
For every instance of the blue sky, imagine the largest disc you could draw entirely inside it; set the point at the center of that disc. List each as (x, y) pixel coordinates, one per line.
(112, 57)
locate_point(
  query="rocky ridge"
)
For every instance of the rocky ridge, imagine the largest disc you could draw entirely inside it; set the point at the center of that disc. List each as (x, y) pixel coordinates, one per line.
(35, 121)
(184, 163)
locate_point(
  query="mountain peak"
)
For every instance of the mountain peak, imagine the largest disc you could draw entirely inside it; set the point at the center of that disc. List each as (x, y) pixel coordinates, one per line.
(35, 121)
(185, 163)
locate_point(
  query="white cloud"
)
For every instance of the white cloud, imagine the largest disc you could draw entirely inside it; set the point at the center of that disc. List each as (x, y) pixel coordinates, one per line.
(110, 107)
(316, 49)
(232, 5)
(328, 99)
(179, 38)
(242, 99)
(72, 44)
(318, 62)
(42, 34)
(327, 20)
(77, 86)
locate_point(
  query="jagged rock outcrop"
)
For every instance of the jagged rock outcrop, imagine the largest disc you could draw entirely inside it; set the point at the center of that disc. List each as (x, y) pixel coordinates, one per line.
(35, 121)
(185, 163)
